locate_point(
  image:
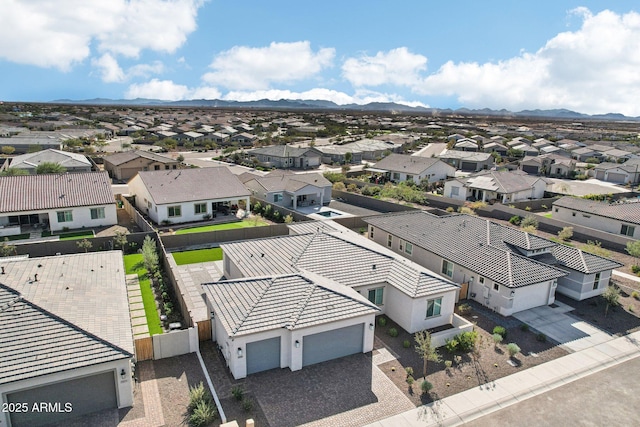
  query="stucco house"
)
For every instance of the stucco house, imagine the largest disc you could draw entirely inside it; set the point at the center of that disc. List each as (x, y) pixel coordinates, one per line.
(622, 217)
(291, 190)
(56, 201)
(66, 337)
(402, 167)
(503, 187)
(619, 173)
(125, 165)
(287, 157)
(270, 279)
(72, 162)
(468, 160)
(505, 269)
(186, 195)
(548, 165)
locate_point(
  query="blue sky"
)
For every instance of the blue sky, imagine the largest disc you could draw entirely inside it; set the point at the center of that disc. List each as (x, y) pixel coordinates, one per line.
(580, 55)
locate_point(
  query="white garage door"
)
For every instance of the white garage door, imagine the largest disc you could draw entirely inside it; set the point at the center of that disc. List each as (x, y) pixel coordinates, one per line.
(332, 344)
(616, 177)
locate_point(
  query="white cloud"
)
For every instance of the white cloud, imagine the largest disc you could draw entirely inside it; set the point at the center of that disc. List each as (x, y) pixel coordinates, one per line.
(109, 69)
(255, 68)
(144, 70)
(167, 90)
(59, 34)
(396, 67)
(593, 70)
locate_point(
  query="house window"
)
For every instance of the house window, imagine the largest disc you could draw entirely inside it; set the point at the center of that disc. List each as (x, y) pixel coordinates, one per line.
(65, 216)
(389, 240)
(447, 268)
(556, 209)
(408, 248)
(371, 232)
(174, 211)
(396, 176)
(97, 213)
(433, 307)
(496, 287)
(167, 167)
(627, 230)
(481, 280)
(596, 281)
(200, 208)
(455, 191)
(277, 198)
(409, 177)
(375, 295)
(156, 167)
(174, 167)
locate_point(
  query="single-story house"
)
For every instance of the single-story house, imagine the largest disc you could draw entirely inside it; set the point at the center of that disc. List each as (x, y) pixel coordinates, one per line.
(402, 167)
(26, 142)
(622, 217)
(287, 157)
(504, 268)
(72, 162)
(583, 153)
(496, 147)
(466, 144)
(503, 187)
(548, 165)
(185, 195)
(57, 201)
(125, 165)
(373, 149)
(244, 138)
(619, 173)
(468, 160)
(67, 343)
(291, 190)
(274, 281)
(339, 154)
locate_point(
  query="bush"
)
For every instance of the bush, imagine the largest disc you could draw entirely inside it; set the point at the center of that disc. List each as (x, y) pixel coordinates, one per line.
(515, 220)
(426, 386)
(467, 340)
(352, 188)
(406, 344)
(409, 371)
(410, 380)
(529, 221)
(197, 394)
(257, 208)
(565, 234)
(339, 186)
(497, 339)
(237, 393)
(524, 327)
(450, 209)
(203, 414)
(464, 308)
(635, 295)
(513, 349)
(541, 337)
(635, 269)
(393, 332)
(500, 330)
(382, 321)
(369, 190)
(451, 345)
(247, 405)
(448, 363)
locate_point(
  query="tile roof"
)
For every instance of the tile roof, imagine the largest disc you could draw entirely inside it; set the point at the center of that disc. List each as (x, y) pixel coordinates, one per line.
(36, 342)
(282, 151)
(118, 159)
(291, 181)
(336, 257)
(85, 289)
(54, 191)
(628, 212)
(247, 306)
(63, 158)
(500, 182)
(186, 185)
(465, 155)
(479, 245)
(407, 164)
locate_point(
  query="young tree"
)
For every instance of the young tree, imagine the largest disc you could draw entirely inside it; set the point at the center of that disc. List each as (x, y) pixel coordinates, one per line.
(150, 255)
(180, 158)
(7, 249)
(565, 234)
(529, 221)
(84, 244)
(633, 248)
(427, 352)
(612, 297)
(120, 240)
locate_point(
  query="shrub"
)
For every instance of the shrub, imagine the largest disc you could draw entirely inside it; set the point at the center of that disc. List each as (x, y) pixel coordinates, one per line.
(247, 405)
(406, 343)
(541, 337)
(635, 269)
(497, 339)
(451, 345)
(410, 380)
(352, 188)
(515, 220)
(467, 340)
(448, 363)
(528, 208)
(565, 234)
(529, 221)
(635, 295)
(197, 394)
(409, 371)
(393, 332)
(426, 386)
(457, 359)
(203, 414)
(464, 308)
(500, 330)
(524, 327)
(237, 393)
(450, 209)
(382, 321)
(513, 349)
(339, 186)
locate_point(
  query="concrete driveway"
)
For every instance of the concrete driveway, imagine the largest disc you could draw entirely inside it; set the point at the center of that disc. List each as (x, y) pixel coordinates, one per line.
(570, 332)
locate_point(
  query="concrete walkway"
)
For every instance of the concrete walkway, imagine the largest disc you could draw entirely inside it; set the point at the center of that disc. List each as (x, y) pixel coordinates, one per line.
(491, 397)
(571, 333)
(626, 275)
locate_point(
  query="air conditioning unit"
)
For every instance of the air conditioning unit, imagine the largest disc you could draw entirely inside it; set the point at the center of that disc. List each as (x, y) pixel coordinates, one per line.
(472, 294)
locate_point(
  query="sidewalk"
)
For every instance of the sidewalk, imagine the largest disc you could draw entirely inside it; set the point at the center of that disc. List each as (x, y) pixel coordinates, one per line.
(491, 397)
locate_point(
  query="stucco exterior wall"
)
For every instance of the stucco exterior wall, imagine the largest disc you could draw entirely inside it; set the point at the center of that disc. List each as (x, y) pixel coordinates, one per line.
(590, 220)
(579, 286)
(82, 217)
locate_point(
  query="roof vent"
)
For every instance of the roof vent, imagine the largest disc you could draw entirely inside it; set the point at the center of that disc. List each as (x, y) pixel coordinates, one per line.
(373, 267)
(261, 255)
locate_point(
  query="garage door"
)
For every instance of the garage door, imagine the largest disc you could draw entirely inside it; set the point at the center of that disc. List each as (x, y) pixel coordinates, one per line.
(530, 169)
(616, 177)
(468, 166)
(263, 355)
(333, 344)
(600, 175)
(86, 395)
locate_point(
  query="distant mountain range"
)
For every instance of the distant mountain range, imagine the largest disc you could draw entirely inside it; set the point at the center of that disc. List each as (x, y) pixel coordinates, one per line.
(288, 104)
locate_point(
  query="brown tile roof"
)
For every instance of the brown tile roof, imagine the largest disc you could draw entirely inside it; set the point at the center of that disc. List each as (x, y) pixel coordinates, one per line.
(54, 191)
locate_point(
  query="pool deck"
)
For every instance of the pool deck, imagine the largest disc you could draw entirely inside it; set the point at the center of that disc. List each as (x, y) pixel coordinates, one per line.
(313, 212)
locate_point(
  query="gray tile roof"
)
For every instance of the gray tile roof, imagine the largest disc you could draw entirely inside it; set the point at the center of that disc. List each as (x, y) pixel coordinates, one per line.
(306, 227)
(630, 166)
(36, 342)
(575, 259)
(471, 156)
(118, 159)
(474, 243)
(54, 191)
(628, 212)
(291, 181)
(344, 261)
(292, 302)
(406, 164)
(86, 289)
(63, 158)
(186, 185)
(283, 151)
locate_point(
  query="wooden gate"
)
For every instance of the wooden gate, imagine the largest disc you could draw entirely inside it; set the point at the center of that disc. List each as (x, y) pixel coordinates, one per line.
(464, 288)
(144, 348)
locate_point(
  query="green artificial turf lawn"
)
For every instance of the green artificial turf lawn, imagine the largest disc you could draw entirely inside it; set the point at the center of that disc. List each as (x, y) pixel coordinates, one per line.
(200, 255)
(148, 299)
(226, 226)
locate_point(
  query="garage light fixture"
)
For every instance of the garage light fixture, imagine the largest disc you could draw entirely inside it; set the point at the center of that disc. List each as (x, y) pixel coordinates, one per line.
(123, 374)
(297, 344)
(239, 352)
(371, 326)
